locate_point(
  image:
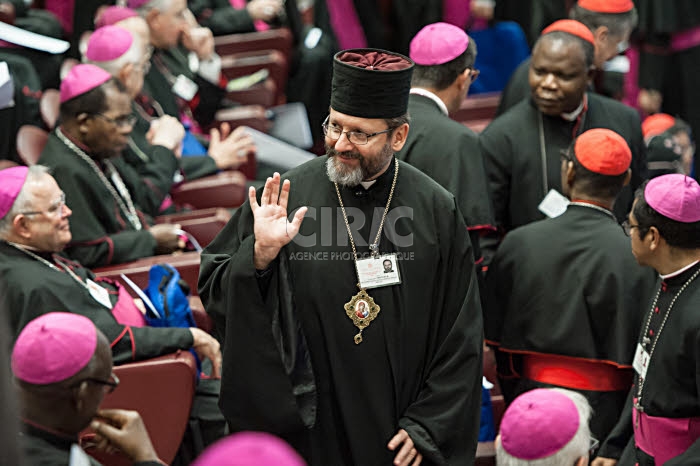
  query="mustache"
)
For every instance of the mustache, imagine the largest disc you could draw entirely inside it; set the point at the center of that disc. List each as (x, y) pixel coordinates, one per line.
(350, 155)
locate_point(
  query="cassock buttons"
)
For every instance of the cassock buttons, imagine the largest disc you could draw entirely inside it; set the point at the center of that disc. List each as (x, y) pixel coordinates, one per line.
(360, 192)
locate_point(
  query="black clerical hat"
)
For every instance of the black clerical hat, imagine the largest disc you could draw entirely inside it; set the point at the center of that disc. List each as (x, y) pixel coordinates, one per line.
(371, 83)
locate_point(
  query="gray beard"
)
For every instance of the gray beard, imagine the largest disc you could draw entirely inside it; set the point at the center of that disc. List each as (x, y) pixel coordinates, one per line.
(342, 175)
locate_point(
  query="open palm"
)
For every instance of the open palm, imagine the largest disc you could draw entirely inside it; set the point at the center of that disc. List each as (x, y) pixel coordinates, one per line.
(271, 227)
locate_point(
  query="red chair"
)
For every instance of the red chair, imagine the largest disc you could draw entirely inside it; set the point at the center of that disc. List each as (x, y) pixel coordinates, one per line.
(253, 116)
(31, 140)
(478, 107)
(272, 39)
(245, 63)
(161, 390)
(225, 189)
(263, 94)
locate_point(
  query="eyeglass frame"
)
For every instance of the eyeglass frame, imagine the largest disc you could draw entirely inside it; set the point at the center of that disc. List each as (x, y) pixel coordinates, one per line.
(325, 126)
(58, 208)
(473, 74)
(120, 122)
(112, 384)
(627, 227)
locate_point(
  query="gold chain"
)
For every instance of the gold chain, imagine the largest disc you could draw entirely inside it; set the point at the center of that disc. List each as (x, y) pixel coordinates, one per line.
(374, 247)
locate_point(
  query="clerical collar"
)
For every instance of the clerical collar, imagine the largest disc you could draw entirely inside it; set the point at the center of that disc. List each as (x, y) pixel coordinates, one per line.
(678, 272)
(367, 184)
(573, 115)
(431, 96)
(52, 436)
(383, 180)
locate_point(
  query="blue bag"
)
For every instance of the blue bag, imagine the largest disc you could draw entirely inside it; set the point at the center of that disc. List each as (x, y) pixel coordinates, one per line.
(168, 293)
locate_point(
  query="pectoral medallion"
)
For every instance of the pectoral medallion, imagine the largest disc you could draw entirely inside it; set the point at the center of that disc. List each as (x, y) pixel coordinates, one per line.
(362, 310)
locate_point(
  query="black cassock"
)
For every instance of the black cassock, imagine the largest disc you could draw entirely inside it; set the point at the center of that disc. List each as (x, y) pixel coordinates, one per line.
(448, 152)
(31, 289)
(568, 286)
(419, 365)
(513, 156)
(47, 448)
(670, 394)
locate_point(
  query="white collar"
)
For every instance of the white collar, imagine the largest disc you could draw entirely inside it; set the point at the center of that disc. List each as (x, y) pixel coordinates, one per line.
(431, 96)
(678, 272)
(573, 115)
(367, 184)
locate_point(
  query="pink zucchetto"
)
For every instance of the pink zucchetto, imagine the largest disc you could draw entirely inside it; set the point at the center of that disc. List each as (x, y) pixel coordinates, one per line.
(674, 196)
(11, 182)
(53, 347)
(108, 43)
(250, 449)
(538, 424)
(112, 15)
(438, 43)
(81, 79)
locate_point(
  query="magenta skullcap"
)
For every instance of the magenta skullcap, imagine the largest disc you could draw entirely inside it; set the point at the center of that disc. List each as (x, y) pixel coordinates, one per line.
(108, 43)
(675, 196)
(438, 43)
(81, 79)
(538, 424)
(53, 348)
(250, 449)
(136, 3)
(112, 15)
(11, 182)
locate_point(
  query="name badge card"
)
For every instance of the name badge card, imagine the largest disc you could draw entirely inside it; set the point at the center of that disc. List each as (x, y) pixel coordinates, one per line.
(378, 271)
(185, 88)
(641, 361)
(554, 204)
(99, 294)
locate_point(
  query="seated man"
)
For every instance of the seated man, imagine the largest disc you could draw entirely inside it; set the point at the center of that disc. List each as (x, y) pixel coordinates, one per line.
(36, 278)
(63, 369)
(109, 198)
(155, 142)
(543, 427)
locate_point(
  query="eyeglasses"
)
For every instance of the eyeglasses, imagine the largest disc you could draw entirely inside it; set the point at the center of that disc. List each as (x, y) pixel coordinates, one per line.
(594, 446)
(627, 227)
(474, 73)
(356, 137)
(55, 209)
(121, 122)
(109, 385)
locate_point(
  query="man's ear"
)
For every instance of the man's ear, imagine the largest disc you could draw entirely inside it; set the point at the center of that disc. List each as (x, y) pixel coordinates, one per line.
(83, 121)
(19, 225)
(152, 17)
(628, 177)
(398, 138)
(601, 35)
(125, 72)
(570, 173)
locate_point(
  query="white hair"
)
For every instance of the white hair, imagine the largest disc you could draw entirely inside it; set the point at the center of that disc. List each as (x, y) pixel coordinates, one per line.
(134, 56)
(24, 199)
(577, 447)
(160, 5)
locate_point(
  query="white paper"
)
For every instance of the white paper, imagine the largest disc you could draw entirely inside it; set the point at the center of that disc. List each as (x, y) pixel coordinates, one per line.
(554, 204)
(32, 40)
(78, 457)
(139, 292)
(276, 152)
(7, 87)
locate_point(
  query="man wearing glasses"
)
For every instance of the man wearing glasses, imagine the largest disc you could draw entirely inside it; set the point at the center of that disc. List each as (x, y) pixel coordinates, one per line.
(36, 278)
(63, 367)
(398, 386)
(440, 147)
(564, 294)
(108, 198)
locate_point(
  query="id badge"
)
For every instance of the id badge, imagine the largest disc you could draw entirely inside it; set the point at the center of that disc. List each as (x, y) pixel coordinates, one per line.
(378, 271)
(641, 361)
(99, 294)
(554, 204)
(185, 88)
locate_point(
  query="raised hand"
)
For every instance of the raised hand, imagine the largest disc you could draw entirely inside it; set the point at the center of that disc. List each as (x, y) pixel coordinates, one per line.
(272, 229)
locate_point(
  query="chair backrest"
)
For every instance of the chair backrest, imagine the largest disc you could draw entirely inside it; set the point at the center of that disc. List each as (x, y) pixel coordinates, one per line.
(162, 391)
(49, 106)
(30, 143)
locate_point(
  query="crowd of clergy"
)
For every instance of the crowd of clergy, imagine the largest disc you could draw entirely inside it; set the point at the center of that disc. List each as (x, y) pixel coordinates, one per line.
(562, 240)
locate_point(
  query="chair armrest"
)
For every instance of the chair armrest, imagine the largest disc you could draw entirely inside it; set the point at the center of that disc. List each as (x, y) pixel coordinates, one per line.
(225, 189)
(201, 318)
(485, 454)
(479, 107)
(217, 212)
(272, 39)
(162, 391)
(187, 263)
(253, 116)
